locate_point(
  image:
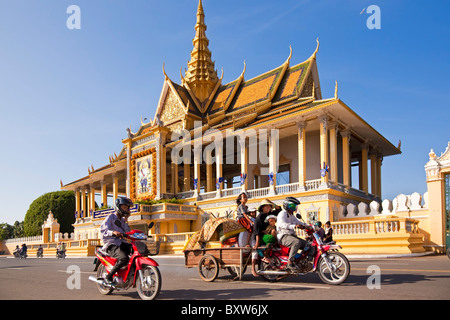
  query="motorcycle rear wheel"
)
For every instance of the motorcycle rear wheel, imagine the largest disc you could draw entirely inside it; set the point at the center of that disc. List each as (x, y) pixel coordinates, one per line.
(340, 268)
(151, 287)
(101, 274)
(263, 266)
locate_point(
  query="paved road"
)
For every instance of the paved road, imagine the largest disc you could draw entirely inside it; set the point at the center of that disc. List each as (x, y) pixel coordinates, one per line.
(402, 278)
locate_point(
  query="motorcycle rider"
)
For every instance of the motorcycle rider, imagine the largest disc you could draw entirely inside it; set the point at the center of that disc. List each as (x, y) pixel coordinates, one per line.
(111, 234)
(23, 251)
(16, 252)
(40, 251)
(61, 250)
(286, 224)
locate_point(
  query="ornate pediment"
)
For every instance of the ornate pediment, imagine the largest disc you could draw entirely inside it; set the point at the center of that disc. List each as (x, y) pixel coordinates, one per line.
(172, 108)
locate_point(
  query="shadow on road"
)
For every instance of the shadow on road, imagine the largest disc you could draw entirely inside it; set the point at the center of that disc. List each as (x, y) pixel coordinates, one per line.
(223, 294)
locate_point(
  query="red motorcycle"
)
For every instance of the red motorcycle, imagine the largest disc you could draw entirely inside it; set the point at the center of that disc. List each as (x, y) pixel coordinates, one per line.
(141, 271)
(332, 266)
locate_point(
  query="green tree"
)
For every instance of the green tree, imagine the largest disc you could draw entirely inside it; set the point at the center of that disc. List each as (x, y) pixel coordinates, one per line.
(6, 231)
(60, 203)
(18, 231)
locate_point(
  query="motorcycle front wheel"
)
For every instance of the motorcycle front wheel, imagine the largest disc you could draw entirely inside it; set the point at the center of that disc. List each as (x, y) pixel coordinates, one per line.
(148, 283)
(335, 270)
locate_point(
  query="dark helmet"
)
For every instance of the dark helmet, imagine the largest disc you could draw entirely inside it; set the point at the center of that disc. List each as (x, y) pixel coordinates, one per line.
(290, 204)
(120, 201)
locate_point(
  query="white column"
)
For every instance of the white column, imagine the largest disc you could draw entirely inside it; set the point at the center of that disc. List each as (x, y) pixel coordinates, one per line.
(273, 158)
(301, 126)
(197, 160)
(219, 162)
(244, 160)
(324, 146)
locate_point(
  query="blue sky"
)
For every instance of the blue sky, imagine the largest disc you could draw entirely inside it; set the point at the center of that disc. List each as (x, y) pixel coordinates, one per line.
(67, 96)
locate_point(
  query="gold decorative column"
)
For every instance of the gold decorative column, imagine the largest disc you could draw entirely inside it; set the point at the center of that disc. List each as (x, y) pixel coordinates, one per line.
(115, 187)
(209, 173)
(333, 153)
(364, 170)
(373, 173)
(379, 162)
(346, 158)
(77, 202)
(83, 202)
(104, 194)
(163, 169)
(187, 177)
(174, 177)
(92, 201)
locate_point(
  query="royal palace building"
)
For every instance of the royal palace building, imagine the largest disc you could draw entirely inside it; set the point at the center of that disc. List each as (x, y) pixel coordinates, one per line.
(272, 136)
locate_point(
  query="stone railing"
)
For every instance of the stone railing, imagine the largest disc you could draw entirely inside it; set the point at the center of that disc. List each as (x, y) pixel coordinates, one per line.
(374, 226)
(173, 237)
(312, 184)
(386, 225)
(253, 193)
(167, 206)
(26, 240)
(401, 203)
(287, 188)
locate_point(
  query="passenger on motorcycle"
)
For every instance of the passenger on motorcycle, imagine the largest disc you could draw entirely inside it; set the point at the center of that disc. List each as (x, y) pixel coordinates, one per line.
(61, 248)
(23, 251)
(111, 234)
(265, 208)
(286, 224)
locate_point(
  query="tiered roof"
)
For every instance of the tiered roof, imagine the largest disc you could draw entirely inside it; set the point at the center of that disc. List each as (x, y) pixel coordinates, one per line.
(202, 96)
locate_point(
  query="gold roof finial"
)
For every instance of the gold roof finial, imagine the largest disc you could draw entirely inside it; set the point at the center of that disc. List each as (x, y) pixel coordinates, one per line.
(290, 54)
(201, 74)
(164, 71)
(336, 90)
(243, 71)
(317, 48)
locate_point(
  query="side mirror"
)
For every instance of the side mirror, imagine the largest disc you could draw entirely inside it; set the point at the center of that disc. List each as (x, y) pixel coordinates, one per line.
(151, 224)
(299, 216)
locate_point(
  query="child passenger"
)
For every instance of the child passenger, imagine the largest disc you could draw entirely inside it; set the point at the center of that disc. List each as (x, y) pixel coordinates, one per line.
(243, 215)
(270, 233)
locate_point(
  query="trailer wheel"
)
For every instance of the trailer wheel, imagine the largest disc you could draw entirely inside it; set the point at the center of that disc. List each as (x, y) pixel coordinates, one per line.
(208, 268)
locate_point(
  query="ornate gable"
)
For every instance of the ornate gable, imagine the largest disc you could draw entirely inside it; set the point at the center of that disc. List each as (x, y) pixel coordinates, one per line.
(171, 111)
(172, 108)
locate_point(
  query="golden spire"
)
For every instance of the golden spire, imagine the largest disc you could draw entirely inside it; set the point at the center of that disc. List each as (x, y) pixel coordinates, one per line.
(201, 75)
